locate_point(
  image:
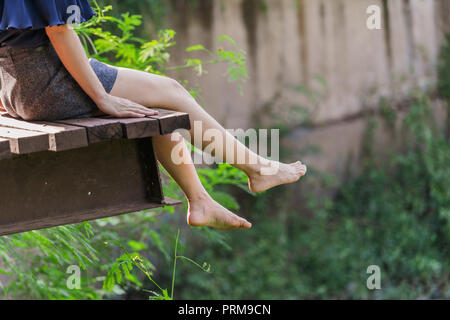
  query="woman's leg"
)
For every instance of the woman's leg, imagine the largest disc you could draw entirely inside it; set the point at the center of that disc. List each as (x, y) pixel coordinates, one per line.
(203, 210)
(153, 90)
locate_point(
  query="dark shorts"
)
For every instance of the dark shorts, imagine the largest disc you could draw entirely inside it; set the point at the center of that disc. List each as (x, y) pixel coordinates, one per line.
(35, 85)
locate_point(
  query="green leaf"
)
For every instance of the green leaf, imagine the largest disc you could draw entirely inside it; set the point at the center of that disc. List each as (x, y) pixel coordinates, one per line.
(198, 47)
(136, 245)
(227, 38)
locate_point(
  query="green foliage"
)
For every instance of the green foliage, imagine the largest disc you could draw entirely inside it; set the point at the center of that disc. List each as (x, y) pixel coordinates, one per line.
(237, 70)
(121, 270)
(155, 10)
(126, 49)
(36, 262)
(393, 213)
(444, 69)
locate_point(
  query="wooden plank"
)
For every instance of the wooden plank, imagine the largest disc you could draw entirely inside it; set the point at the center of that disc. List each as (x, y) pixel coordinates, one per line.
(61, 136)
(5, 149)
(107, 128)
(98, 129)
(68, 138)
(169, 121)
(135, 128)
(48, 222)
(24, 141)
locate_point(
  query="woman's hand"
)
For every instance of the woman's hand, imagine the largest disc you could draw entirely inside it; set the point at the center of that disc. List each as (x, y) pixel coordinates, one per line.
(123, 108)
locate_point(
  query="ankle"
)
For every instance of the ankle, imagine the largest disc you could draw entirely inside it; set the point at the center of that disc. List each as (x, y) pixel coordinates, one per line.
(199, 197)
(255, 170)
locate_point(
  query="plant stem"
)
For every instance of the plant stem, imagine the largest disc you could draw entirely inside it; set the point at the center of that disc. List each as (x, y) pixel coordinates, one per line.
(175, 264)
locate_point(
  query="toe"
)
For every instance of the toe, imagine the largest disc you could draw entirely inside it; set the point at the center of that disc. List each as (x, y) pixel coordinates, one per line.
(241, 223)
(245, 224)
(298, 166)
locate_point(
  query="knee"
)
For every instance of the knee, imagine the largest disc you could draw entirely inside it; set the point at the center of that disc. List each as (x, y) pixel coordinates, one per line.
(177, 88)
(174, 83)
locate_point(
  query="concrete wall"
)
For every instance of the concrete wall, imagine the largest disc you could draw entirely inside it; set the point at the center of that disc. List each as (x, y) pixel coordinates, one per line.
(292, 42)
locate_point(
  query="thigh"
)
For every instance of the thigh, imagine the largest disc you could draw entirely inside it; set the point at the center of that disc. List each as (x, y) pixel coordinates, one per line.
(150, 90)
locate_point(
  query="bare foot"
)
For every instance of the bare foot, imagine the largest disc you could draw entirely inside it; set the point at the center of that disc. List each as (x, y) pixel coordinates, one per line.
(207, 212)
(282, 174)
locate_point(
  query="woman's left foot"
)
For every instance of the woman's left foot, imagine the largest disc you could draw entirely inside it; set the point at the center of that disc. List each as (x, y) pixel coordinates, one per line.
(282, 173)
(207, 212)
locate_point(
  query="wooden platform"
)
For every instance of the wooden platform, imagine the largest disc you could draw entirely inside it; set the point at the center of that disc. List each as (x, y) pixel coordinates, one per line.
(63, 172)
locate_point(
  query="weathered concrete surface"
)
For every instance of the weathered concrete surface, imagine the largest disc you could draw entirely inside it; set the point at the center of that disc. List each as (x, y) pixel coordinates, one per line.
(291, 42)
(339, 145)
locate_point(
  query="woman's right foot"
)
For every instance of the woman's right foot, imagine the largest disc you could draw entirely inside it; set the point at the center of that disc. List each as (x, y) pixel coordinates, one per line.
(282, 174)
(207, 212)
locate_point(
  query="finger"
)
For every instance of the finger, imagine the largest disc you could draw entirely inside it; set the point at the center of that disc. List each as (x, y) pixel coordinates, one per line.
(144, 110)
(131, 114)
(140, 107)
(152, 112)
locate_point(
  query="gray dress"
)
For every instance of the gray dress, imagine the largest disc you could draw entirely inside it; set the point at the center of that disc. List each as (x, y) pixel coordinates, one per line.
(35, 85)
